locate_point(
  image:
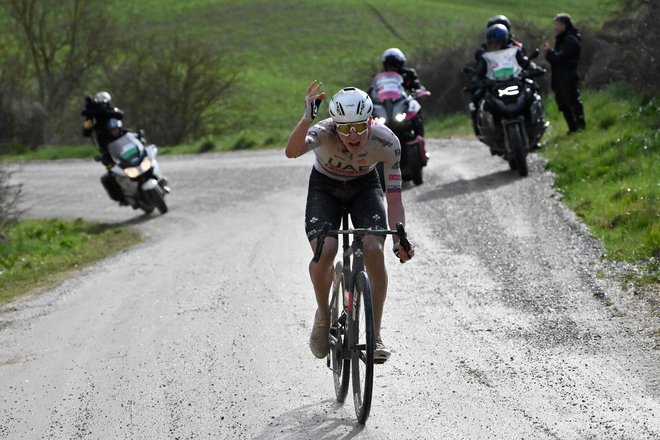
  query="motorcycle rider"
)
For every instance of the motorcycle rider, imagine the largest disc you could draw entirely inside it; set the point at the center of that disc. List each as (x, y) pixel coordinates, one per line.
(394, 61)
(106, 120)
(511, 42)
(98, 111)
(503, 20)
(348, 145)
(497, 38)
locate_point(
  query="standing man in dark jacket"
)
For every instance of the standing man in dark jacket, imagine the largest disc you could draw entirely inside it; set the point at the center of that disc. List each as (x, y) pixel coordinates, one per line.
(564, 59)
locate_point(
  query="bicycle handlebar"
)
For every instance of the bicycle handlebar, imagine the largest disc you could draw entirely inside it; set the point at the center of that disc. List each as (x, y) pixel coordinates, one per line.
(325, 230)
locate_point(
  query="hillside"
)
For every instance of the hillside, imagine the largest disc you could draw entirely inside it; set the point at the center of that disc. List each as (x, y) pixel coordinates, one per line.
(278, 46)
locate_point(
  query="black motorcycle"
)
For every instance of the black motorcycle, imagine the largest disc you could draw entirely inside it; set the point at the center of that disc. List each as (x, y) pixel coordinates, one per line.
(510, 113)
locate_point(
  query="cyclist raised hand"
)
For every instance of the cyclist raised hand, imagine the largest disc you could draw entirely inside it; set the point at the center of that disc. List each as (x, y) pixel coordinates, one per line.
(348, 145)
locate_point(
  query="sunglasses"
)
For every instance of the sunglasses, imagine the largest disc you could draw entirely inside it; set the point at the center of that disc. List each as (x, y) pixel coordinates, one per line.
(359, 127)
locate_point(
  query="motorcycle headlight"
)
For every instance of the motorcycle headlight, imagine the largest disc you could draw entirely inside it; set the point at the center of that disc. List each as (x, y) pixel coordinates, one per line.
(134, 172)
(400, 117)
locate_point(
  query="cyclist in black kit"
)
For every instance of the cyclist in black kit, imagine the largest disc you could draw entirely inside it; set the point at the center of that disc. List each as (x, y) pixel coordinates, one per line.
(348, 145)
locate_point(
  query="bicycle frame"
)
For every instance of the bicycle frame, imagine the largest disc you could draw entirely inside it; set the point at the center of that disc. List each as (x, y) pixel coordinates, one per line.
(351, 270)
(346, 344)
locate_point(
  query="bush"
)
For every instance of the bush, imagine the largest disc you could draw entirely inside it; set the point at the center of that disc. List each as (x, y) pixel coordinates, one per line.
(9, 198)
(243, 143)
(169, 87)
(626, 49)
(206, 145)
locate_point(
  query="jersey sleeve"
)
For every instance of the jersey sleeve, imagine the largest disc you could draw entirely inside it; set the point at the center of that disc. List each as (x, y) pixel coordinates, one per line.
(312, 139)
(392, 166)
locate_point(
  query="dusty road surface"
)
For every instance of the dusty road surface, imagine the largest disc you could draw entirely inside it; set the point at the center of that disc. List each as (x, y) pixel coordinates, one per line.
(503, 326)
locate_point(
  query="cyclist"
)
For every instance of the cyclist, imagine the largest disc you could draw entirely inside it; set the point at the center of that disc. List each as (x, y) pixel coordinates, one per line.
(348, 145)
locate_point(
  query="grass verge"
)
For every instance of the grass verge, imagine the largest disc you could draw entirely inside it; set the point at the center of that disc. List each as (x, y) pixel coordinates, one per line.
(609, 174)
(34, 253)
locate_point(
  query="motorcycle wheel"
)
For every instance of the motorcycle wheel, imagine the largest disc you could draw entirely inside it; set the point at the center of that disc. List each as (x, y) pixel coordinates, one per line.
(158, 200)
(517, 145)
(160, 203)
(415, 165)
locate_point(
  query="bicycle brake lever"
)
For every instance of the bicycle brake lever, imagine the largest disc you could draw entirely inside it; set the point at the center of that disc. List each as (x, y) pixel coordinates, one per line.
(403, 239)
(320, 241)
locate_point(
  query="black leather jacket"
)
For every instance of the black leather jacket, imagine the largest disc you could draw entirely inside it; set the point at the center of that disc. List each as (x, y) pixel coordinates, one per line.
(411, 81)
(99, 113)
(565, 56)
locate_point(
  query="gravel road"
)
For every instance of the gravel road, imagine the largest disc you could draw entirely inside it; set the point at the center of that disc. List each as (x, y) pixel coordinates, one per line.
(503, 325)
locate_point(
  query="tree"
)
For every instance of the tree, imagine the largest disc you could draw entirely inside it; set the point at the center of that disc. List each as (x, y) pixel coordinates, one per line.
(170, 87)
(65, 40)
(22, 119)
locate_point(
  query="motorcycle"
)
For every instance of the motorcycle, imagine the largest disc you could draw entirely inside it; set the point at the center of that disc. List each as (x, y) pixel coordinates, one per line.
(133, 176)
(395, 108)
(510, 113)
(135, 169)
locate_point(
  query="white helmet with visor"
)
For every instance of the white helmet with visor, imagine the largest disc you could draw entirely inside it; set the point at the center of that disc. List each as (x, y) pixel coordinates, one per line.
(351, 108)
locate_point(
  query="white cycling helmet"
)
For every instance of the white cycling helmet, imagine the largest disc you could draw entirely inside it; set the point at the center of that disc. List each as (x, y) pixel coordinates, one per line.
(350, 104)
(102, 97)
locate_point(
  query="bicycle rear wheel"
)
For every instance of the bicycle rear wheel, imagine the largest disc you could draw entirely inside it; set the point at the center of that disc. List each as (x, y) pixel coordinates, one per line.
(340, 366)
(361, 328)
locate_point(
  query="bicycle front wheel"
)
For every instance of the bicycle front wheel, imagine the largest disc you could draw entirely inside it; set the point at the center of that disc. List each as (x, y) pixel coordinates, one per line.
(337, 360)
(361, 329)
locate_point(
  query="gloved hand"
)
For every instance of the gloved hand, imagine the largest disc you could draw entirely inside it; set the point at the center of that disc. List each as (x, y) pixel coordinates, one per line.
(313, 100)
(402, 254)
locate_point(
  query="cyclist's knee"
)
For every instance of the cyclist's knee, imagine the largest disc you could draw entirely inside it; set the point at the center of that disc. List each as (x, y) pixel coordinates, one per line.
(373, 247)
(328, 254)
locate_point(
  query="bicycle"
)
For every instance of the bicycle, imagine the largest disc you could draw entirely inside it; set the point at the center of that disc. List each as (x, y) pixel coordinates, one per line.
(352, 337)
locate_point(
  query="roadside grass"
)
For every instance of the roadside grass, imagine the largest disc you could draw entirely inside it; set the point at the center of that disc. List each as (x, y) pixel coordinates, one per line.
(609, 174)
(37, 253)
(50, 153)
(454, 125)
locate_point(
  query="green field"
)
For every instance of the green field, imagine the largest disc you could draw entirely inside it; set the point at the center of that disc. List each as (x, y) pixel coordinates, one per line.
(280, 46)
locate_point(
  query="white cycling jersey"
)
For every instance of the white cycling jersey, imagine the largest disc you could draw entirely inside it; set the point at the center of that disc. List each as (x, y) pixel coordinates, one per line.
(333, 160)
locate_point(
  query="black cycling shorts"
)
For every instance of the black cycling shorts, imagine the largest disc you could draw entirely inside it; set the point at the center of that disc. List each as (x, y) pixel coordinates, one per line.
(362, 197)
